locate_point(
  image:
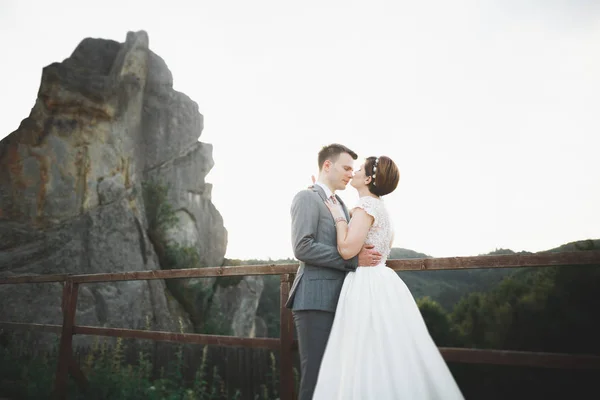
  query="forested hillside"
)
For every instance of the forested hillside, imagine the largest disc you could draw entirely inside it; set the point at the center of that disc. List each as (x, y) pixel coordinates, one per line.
(551, 309)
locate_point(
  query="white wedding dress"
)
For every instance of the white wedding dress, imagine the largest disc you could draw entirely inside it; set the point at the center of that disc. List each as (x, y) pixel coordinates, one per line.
(379, 347)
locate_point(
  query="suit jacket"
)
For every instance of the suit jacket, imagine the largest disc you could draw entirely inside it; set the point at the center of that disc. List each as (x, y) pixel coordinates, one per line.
(322, 270)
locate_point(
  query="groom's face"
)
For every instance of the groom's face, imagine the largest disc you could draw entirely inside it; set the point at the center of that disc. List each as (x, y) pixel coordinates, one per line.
(340, 171)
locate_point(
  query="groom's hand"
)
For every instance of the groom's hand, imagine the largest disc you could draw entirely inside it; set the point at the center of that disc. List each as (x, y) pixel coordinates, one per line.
(368, 256)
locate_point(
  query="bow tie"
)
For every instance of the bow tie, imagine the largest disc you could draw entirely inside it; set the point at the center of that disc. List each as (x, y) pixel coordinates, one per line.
(333, 199)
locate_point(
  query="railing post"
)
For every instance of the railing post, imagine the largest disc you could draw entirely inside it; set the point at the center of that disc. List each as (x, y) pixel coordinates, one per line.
(286, 335)
(65, 355)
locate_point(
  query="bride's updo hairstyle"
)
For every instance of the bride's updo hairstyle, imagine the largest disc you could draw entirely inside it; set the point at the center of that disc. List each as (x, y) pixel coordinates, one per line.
(384, 175)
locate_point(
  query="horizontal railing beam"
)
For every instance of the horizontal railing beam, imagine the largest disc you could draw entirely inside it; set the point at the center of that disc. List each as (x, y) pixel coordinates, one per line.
(450, 354)
(53, 278)
(520, 358)
(195, 338)
(207, 272)
(32, 327)
(499, 261)
(448, 263)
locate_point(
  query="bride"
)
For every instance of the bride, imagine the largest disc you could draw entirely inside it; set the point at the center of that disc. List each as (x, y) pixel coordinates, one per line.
(379, 347)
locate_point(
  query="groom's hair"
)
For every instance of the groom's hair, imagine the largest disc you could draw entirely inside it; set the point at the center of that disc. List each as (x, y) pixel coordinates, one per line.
(332, 153)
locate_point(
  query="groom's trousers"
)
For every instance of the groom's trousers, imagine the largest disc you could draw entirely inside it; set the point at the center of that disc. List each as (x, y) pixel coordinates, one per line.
(313, 328)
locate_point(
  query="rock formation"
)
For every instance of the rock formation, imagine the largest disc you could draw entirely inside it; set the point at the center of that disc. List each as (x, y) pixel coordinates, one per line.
(106, 122)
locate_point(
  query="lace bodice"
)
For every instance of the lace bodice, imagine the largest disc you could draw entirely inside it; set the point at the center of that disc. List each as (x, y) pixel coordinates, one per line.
(381, 233)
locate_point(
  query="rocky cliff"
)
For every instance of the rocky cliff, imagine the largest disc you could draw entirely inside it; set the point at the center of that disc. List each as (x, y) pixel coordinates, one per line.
(74, 177)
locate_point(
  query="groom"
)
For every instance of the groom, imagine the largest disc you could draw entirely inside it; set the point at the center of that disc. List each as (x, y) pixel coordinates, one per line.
(316, 289)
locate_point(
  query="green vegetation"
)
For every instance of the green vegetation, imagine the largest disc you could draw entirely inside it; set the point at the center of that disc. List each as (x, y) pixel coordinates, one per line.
(194, 295)
(448, 287)
(28, 375)
(551, 309)
(159, 212)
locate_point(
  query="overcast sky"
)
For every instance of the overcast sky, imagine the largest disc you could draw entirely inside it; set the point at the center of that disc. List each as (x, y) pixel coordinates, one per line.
(491, 109)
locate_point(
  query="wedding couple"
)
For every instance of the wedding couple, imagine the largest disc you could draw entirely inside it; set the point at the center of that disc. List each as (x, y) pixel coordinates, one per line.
(361, 335)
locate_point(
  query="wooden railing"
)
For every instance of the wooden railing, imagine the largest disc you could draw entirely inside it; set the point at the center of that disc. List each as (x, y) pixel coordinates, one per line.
(286, 344)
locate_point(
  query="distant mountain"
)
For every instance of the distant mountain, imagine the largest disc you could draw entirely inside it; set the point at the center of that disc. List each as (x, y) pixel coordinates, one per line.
(444, 287)
(581, 245)
(398, 253)
(448, 287)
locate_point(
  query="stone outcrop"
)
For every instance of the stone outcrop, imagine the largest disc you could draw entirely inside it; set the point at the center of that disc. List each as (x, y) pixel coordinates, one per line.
(234, 307)
(106, 121)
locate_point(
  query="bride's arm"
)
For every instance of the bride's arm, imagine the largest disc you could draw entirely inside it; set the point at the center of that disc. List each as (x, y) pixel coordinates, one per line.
(351, 237)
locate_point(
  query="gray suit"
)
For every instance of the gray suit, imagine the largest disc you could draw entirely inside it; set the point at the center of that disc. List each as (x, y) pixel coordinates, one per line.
(316, 288)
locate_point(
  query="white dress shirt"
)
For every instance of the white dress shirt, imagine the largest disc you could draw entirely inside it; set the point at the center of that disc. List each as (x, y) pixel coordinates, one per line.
(329, 193)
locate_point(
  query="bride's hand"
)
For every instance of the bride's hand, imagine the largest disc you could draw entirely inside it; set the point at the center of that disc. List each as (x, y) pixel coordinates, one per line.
(333, 208)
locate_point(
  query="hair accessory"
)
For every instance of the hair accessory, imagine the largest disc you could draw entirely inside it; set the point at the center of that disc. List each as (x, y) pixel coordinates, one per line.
(375, 170)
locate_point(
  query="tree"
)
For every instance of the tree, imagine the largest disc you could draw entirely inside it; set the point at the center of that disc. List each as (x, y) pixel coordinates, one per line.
(438, 323)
